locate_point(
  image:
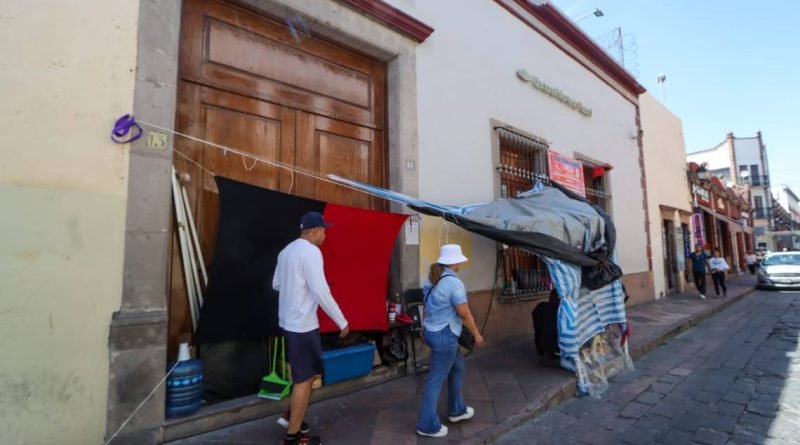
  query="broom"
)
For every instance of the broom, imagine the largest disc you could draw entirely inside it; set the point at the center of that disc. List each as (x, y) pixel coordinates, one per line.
(274, 386)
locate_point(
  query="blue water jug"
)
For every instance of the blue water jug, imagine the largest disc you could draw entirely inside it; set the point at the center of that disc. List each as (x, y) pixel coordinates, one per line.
(184, 385)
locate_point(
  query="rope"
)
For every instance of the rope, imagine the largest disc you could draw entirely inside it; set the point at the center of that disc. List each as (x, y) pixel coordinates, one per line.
(290, 167)
(244, 163)
(446, 228)
(125, 423)
(494, 289)
(195, 163)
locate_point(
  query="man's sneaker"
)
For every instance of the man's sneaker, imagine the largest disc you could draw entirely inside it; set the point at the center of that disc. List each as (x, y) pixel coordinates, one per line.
(467, 415)
(702, 297)
(284, 422)
(301, 439)
(441, 433)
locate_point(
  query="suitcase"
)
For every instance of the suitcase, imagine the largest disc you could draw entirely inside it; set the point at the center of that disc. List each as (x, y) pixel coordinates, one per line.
(545, 328)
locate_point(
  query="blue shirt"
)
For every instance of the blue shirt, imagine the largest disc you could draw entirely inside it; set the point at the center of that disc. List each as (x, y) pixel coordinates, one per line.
(441, 302)
(699, 261)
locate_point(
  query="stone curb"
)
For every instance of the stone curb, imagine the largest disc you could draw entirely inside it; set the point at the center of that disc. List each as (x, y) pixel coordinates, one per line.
(558, 394)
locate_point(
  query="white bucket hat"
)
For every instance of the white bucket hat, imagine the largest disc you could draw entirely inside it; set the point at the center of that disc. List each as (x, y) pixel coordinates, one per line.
(450, 254)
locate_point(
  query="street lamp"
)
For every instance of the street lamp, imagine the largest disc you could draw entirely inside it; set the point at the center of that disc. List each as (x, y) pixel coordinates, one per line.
(702, 173)
(597, 13)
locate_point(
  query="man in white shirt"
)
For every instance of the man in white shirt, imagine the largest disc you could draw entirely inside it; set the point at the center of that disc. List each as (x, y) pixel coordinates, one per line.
(302, 288)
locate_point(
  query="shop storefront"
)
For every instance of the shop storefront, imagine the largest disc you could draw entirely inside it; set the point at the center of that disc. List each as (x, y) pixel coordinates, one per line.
(720, 218)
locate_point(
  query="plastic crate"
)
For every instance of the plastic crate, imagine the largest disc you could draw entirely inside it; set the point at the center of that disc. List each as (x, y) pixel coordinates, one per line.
(347, 363)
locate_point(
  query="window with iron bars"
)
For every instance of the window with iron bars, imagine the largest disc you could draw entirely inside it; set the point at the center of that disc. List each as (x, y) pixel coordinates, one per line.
(523, 161)
(597, 190)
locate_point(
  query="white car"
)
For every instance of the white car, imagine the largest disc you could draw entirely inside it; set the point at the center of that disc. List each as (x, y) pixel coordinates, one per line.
(779, 270)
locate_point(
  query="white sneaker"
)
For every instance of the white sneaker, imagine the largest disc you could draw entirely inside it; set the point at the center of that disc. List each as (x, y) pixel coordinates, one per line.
(441, 433)
(702, 297)
(282, 421)
(467, 415)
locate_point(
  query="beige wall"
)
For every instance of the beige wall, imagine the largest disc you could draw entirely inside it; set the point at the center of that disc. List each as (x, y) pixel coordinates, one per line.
(667, 184)
(66, 73)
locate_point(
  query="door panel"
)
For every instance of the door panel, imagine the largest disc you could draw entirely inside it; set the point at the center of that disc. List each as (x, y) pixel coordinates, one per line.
(333, 147)
(238, 50)
(252, 126)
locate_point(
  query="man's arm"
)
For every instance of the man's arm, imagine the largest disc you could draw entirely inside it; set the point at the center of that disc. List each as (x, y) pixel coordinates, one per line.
(315, 277)
(276, 282)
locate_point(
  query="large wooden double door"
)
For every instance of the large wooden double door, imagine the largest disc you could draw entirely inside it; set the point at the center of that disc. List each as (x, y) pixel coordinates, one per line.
(251, 83)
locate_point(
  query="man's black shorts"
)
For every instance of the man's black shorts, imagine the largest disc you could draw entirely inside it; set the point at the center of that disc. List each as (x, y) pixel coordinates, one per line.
(304, 351)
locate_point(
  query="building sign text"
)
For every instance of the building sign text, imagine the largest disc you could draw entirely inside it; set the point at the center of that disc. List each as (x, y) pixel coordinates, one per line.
(554, 92)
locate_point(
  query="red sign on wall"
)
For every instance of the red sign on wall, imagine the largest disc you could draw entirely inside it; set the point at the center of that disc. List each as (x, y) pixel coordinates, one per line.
(566, 171)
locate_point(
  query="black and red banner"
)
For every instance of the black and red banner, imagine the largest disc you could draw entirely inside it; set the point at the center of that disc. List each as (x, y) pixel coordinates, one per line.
(255, 224)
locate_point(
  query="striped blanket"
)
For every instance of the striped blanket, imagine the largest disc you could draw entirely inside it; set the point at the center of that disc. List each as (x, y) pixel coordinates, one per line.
(583, 313)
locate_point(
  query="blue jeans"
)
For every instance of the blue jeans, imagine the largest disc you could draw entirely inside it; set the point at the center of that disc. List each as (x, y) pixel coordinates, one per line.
(446, 364)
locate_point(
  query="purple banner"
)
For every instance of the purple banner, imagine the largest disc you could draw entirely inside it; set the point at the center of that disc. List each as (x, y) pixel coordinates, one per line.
(699, 232)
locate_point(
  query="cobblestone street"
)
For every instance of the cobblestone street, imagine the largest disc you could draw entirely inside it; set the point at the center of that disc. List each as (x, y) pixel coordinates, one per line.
(735, 378)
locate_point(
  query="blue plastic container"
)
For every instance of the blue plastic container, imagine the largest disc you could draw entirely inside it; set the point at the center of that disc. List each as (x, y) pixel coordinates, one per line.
(347, 363)
(185, 388)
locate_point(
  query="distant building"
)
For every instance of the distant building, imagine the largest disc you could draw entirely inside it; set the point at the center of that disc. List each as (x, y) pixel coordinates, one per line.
(743, 161)
(786, 220)
(718, 220)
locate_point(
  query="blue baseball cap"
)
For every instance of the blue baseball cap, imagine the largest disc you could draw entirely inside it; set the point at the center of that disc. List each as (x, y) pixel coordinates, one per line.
(312, 220)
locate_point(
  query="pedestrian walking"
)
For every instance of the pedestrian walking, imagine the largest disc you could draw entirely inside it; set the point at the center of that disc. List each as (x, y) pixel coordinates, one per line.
(699, 260)
(752, 261)
(719, 267)
(300, 281)
(446, 315)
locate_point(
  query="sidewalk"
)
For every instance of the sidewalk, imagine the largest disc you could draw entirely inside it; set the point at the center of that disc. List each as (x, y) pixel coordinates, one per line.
(505, 384)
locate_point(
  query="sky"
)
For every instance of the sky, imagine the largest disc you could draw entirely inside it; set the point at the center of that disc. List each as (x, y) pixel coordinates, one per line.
(731, 66)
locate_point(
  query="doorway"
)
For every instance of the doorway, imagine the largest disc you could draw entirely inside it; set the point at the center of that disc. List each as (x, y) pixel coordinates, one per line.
(670, 262)
(248, 82)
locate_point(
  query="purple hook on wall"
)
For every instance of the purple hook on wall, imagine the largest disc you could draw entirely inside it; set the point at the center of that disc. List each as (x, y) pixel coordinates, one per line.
(122, 128)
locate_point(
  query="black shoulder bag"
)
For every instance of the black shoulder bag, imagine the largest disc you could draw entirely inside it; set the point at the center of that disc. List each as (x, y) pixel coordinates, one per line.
(466, 340)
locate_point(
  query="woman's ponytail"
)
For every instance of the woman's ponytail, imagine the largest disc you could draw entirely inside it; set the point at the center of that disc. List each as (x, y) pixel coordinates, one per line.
(435, 273)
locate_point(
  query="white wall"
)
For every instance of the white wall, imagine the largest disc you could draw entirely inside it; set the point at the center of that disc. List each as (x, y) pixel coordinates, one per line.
(66, 73)
(667, 183)
(787, 200)
(467, 76)
(748, 153)
(717, 157)
(759, 191)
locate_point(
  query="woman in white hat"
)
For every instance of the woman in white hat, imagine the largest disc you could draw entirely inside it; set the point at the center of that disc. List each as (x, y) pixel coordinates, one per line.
(446, 314)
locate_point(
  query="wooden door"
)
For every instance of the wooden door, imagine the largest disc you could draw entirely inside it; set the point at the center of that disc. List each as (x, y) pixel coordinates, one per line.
(249, 125)
(340, 148)
(248, 83)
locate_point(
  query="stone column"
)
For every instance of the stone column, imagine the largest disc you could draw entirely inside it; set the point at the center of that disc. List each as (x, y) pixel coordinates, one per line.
(138, 338)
